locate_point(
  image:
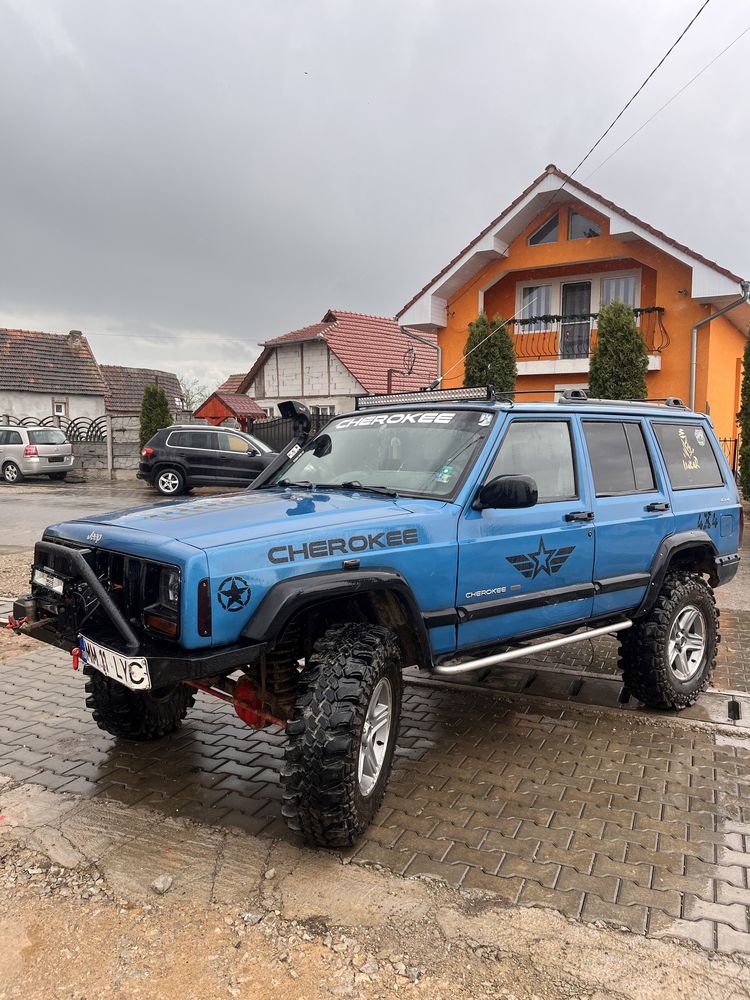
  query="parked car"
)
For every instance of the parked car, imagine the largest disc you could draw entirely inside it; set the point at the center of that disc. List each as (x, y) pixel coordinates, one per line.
(425, 529)
(180, 457)
(34, 451)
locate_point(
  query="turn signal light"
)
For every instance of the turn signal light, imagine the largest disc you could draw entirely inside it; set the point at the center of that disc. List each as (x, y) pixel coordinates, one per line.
(742, 526)
(159, 624)
(31, 451)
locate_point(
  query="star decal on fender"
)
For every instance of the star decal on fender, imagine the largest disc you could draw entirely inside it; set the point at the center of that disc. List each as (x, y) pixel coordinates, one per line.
(543, 560)
(234, 593)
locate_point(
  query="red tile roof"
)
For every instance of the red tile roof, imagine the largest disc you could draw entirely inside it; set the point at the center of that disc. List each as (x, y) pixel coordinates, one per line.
(125, 387)
(236, 403)
(232, 384)
(368, 346)
(569, 184)
(34, 361)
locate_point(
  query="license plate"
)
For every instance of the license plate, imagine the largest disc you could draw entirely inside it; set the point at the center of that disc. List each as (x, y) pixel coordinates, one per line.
(131, 671)
(44, 579)
(56, 458)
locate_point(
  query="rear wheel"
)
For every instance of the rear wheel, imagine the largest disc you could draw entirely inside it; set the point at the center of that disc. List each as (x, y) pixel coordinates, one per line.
(136, 715)
(667, 657)
(342, 735)
(169, 482)
(11, 473)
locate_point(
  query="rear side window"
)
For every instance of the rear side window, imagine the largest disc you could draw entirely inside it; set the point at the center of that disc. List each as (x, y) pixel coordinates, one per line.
(192, 439)
(47, 437)
(619, 458)
(689, 457)
(14, 438)
(543, 450)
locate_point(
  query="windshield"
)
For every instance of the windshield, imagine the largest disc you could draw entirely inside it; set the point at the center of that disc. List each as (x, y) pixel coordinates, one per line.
(423, 452)
(47, 437)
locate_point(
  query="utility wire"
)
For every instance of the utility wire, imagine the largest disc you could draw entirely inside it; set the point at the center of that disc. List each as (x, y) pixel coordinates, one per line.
(667, 103)
(622, 111)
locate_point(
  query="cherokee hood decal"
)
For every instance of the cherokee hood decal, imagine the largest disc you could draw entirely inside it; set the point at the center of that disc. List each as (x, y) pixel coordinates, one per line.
(320, 548)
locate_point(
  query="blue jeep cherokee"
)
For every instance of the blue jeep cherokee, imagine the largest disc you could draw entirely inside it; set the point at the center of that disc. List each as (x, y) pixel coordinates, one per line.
(443, 529)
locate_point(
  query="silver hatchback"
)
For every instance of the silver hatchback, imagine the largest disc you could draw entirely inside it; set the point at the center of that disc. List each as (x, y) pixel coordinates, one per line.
(34, 451)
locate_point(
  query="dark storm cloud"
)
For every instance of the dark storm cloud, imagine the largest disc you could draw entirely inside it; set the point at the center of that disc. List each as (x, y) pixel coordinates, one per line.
(185, 179)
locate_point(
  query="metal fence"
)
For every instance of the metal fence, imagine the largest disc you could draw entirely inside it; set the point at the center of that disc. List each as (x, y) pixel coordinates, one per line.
(731, 448)
(278, 432)
(81, 429)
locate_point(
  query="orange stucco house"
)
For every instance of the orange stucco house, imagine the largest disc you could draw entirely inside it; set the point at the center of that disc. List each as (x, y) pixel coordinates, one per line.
(551, 259)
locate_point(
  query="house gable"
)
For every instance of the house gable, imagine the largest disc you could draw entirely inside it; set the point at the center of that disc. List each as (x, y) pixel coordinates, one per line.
(707, 281)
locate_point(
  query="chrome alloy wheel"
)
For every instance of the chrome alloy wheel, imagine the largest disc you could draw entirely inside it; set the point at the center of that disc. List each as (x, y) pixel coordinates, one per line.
(687, 643)
(375, 734)
(169, 482)
(10, 473)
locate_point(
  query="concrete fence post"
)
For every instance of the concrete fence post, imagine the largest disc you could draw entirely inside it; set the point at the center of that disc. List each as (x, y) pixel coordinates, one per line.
(110, 448)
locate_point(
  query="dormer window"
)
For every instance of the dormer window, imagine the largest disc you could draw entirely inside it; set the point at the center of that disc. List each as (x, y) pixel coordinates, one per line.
(581, 228)
(546, 233)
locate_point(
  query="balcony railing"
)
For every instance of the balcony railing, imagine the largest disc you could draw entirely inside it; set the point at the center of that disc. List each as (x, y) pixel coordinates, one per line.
(574, 337)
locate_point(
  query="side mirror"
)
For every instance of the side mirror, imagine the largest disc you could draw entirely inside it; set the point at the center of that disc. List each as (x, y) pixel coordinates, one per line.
(506, 492)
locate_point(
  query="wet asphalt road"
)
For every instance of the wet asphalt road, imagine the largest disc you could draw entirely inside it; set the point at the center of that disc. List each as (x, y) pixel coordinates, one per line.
(27, 509)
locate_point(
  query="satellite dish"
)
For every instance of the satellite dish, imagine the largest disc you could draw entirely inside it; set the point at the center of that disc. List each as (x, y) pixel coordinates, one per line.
(410, 357)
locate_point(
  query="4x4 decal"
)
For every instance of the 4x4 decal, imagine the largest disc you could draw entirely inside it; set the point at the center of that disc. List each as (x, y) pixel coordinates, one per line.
(544, 560)
(708, 520)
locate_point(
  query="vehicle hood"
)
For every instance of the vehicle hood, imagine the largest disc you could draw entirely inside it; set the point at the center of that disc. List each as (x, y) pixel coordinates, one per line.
(238, 518)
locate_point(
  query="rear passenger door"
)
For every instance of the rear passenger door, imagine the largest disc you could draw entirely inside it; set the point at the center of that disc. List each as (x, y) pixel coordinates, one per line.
(632, 510)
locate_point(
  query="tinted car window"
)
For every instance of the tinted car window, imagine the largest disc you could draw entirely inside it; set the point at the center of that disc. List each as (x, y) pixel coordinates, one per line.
(543, 450)
(689, 457)
(193, 439)
(51, 436)
(619, 458)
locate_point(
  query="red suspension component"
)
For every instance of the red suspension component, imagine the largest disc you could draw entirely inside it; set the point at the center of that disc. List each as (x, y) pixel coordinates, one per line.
(76, 657)
(245, 700)
(15, 623)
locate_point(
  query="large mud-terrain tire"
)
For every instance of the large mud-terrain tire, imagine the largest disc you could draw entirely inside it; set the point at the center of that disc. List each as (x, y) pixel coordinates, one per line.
(340, 750)
(667, 657)
(136, 715)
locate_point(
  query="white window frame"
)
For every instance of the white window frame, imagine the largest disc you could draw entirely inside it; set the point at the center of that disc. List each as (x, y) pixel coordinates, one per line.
(596, 289)
(60, 402)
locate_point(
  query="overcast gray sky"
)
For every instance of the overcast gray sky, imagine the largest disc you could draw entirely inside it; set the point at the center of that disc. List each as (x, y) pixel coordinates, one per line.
(183, 179)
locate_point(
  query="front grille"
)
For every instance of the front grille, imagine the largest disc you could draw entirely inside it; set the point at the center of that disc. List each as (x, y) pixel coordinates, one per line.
(132, 583)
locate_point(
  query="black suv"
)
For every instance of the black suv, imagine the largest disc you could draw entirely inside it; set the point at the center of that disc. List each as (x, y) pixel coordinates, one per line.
(180, 457)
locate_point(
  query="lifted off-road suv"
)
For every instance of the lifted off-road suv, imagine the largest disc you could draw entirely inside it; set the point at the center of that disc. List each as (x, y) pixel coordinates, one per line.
(437, 529)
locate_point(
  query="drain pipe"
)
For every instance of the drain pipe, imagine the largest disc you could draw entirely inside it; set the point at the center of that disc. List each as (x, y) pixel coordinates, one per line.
(435, 345)
(745, 297)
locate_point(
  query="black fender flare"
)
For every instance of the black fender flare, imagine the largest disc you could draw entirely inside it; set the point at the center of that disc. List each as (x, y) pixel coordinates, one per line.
(288, 597)
(671, 546)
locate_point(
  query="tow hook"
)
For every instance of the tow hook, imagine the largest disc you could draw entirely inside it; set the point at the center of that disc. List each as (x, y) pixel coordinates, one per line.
(76, 655)
(15, 623)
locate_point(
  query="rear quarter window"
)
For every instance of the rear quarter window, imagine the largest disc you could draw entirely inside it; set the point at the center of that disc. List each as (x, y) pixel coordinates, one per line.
(688, 455)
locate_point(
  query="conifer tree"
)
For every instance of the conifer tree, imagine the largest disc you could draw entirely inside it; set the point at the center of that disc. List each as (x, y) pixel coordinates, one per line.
(619, 361)
(154, 412)
(490, 357)
(743, 418)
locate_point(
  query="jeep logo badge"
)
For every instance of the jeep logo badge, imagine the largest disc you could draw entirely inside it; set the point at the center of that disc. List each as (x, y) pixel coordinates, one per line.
(94, 537)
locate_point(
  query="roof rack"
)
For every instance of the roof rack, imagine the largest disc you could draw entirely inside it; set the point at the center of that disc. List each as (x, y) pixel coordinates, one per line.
(581, 396)
(425, 396)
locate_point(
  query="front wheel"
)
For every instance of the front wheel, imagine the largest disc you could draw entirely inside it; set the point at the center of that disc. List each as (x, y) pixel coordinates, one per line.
(170, 482)
(342, 734)
(11, 473)
(667, 657)
(135, 715)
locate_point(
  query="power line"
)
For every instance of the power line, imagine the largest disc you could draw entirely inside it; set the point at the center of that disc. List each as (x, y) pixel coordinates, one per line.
(674, 96)
(625, 107)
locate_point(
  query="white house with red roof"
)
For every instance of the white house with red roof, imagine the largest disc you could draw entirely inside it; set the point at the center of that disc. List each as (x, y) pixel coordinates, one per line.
(327, 365)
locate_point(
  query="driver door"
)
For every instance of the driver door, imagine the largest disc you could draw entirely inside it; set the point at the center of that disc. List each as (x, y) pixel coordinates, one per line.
(529, 569)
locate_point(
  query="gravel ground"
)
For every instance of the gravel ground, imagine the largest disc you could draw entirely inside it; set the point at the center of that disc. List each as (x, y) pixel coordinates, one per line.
(14, 572)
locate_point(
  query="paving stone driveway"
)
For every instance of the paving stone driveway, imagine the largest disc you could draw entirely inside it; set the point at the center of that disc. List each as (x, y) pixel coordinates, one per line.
(643, 822)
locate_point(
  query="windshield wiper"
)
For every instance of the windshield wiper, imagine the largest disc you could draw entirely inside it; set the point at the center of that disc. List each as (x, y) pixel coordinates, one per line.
(305, 484)
(354, 484)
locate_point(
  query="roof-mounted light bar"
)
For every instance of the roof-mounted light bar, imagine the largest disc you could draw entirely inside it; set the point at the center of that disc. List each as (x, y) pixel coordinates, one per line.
(425, 396)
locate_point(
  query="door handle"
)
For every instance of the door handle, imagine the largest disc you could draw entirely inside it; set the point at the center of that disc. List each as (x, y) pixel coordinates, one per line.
(580, 515)
(659, 507)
